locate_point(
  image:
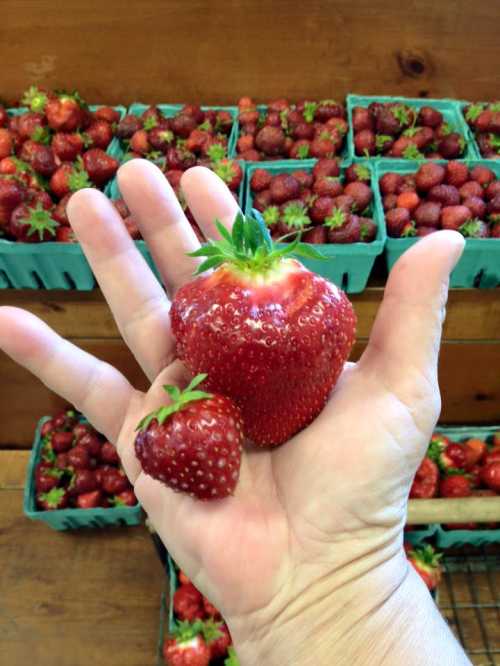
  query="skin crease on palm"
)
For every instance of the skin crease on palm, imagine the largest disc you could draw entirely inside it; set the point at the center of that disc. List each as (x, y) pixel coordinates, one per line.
(313, 536)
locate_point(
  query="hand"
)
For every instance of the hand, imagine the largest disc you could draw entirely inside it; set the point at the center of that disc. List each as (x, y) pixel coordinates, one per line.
(313, 535)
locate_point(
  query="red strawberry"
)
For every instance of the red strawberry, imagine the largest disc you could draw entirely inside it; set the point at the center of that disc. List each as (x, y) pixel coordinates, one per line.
(67, 146)
(47, 428)
(447, 456)
(180, 158)
(188, 603)
(344, 202)
(408, 184)
(186, 647)
(426, 563)
(99, 134)
(183, 579)
(64, 113)
(262, 200)
(425, 483)
(447, 195)
(396, 220)
(217, 637)
(43, 160)
(368, 230)
(114, 481)
(57, 498)
(89, 500)
(322, 147)
(364, 142)
(101, 472)
(343, 227)
(6, 143)
(68, 178)
(429, 117)
(327, 186)
(482, 175)
(457, 174)
(230, 172)
(453, 217)
(61, 461)
(427, 214)
(270, 140)
(59, 213)
(490, 475)
(32, 224)
(390, 201)
(476, 206)
(305, 179)
(260, 180)
(100, 166)
(108, 454)
(81, 429)
(492, 456)
(128, 125)
(492, 190)
(108, 114)
(245, 142)
(475, 229)
(451, 146)
(429, 175)
(66, 419)
(46, 478)
(361, 119)
(125, 498)
(316, 236)
(475, 450)
(79, 457)
(390, 183)
(358, 172)
(65, 235)
(326, 167)
(61, 441)
(300, 150)
(181, 436)
(321, 208)
(408, 200)
(83, 481)
(28, 123)
(210, 609)
(252, 296)
(284, 187)
(183, 124)
(455, 485)
(471, 189)
(361, 193)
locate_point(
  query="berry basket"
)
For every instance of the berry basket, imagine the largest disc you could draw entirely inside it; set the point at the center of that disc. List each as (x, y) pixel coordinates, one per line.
(348, 266)
(458, 538)
(70, 519)
(47, 265)
(449, 108)
(462, 104)
(479, 265)
(419, 537)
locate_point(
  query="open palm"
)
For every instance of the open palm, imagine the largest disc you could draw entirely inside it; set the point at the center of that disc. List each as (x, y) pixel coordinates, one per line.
(334, 494)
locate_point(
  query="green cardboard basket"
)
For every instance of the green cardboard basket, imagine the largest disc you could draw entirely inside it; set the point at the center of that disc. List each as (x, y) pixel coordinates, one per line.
(348, 266)
(461, 105)
(479, 265)
(262, 108)
(449, 108)
(421, 536)
(71, 519)
(49, 265)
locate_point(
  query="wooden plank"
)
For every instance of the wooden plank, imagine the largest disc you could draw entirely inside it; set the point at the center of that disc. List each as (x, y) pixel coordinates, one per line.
(472, 314)
(13, 469)
(79, 598)
(388, 49)
(469, 379)
(457, 510)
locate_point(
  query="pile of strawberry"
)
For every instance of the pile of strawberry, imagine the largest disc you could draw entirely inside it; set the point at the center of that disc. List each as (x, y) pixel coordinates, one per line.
(290, 131)
(201, 633)
(398, 130)
(465, 468)
(52, 149)
(442, 197)
(78, 467)
(427, 563)
(484, 120)
(328, 206)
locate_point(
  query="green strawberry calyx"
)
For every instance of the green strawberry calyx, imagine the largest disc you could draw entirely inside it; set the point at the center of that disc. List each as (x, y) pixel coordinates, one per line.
(362, 172)
(284, 120)
(411, 152)
(271, 215)
(249, 248)
(226, 170)
(41, 135)
(186, 631)
(78, 178)
(336, 220)
(295, 215)
(35, 99)
(381, 140)
(495, 142)
(400, 113)
(53, 497)
(149, 123)
(409, 230)
(473, 112)
(445, 129)
(48, 453)
(309, 111)
(216, 152)
(426, 557)
(470, 228)
(232, 659)
(179, 400)
(303, 151)
(40, 221)
(211, 631)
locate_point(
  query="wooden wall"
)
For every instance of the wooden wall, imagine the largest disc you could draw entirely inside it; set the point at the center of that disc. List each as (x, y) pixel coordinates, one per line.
(215, 51)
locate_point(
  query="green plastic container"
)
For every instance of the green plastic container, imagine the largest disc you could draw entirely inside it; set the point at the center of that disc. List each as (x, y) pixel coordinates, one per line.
(262, 108)
(479, 265)
(461, 105)
(71, 519)
(170, 110)
(47, 265)
(449, 108)
(420, 537)
(348, 266)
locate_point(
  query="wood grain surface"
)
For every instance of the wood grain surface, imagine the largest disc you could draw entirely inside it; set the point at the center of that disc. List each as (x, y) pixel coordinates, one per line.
(215, 51)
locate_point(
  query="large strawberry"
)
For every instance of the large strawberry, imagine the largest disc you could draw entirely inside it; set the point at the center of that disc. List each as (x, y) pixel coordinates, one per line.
(426, 563)
(425, 483)
(186, 646)
(271, 335)
(194, 444)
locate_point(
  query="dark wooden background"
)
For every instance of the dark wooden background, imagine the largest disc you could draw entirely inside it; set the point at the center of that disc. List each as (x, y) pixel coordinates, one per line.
(215, 51)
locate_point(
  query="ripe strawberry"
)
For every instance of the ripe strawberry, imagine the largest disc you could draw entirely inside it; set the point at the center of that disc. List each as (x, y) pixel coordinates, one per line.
(429, 175)
(361, 119)
(64, 113)
(451, 146)
(47, 428)
(65, 235)
(447, 195)
(46, 477)
(186, 647)
(475, 450)
(57, 498)
(344, 202)
(230, 172)
(267, 283)
(408, 184)
(99, 134)
(300, 150)
(482, 175)
(79, 457)
(114, 481)
(128, 125)
(326, 167)
(457, 174)
(108, 114)
(471, 189)
(67, 146)
(390, 201)
(210, 610)
(260, 180)
(108, 454)
(492, 456)
(305, 179)
(262, 200)
(180, 158)
(455, 485)
(6, 143)
(217, 637)
(68, 178)
(390, 183)
(43, 160)
(327, 186)
(125, 498)
(61, 461)
(408, 200)
(188, 603)
(32, 224)
(100, 166)
(368, 230)
(315, 236)
(427, 214)
(358, 172)
(101, 472)
(81, 429)
(181, 446)
(447, 456)
(475, 229)
(322, 147)
(476, 206)
(61, 441)
(343, 227)
(425, 483)
(492, 190)
(284, 187)
(429, 117)
(361, 193)
(490, 475)
(83, 481)
(245, 142)
(426, 563)
(59, 213)
(270, 140)
(89, 500)
(321, 208)
(89, 440)
(396, 220)
(453, 217)
(364, 142)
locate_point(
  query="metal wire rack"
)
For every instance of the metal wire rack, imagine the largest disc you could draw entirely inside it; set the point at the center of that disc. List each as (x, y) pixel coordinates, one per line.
(469, 598)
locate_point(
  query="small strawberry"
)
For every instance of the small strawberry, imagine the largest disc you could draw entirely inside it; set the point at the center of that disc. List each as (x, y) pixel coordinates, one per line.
(128, 125)
(69, 178)
(186, 646)
(358, 172)
(427, 214)
(361, 193)
(32, 224)
(476, 206)
(270, 140)
(425, 483)
(396, 220)
(429, 117)
(284, 187)
(447, 455)
(471, 189)
(260, 180)
(327, 186)
(183, 124)
(100, 166)
(67, 146)
(180, 438)
(453, 217)
(245, 142)
(210, 609)
(447, 195)
(390, 183)
(475, 229)
(426, 563)
(46, 477)
(490, 475)
(114, 481)
(262, 200)
(457, 174)
(79, 457)
(345, 203)
(253, 279)
(361, 119)
(321, 208)
(492, 190)
(43, 160)
(59, 213)
(482, 175)
(108, 454)
(61, 441)
(230, 172)
(429, 175)
(125, 498)
(368, 230)
(99, 134)
(305, 178)
(408, 200)
(217, 637)
(455, 485)
(83, 480)
(316, 236)
(90, 441)
(108, 114)
(390, 201)
(188, 603)
(55, 499)
(451, 146)
(475, 450)
(343, 227)
(89, 500)
(65, 235)
(326, 167)
(64, 113)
